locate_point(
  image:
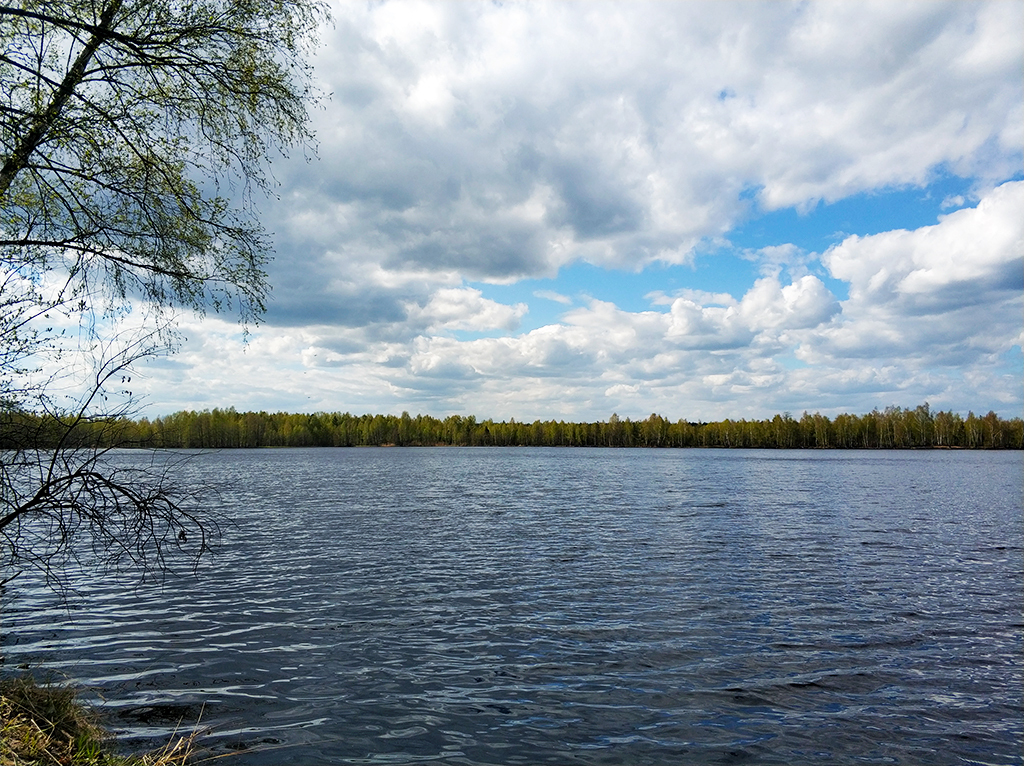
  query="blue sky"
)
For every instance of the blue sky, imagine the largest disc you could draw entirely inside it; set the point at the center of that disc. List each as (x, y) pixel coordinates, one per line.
(721, 267)
(707, 210)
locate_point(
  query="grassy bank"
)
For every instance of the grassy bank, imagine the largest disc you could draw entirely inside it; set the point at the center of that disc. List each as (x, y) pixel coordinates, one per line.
(46, 724)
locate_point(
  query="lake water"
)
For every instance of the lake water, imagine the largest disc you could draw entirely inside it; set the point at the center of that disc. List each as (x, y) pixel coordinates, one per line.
(507, 606)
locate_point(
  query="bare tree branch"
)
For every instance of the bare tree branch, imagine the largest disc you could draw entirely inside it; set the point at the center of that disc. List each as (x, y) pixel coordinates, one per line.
(117, 119)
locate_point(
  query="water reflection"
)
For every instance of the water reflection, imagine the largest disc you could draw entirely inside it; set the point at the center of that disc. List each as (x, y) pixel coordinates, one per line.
(557, 606)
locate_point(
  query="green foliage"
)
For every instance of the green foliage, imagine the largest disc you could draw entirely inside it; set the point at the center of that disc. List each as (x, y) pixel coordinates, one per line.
(894, 428)
(133, 134)
(119, 122)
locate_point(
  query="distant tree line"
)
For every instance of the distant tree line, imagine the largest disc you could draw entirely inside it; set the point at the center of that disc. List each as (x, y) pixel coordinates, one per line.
(893, 428)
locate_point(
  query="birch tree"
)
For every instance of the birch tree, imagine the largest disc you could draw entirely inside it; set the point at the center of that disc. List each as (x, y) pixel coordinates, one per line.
(134, 141)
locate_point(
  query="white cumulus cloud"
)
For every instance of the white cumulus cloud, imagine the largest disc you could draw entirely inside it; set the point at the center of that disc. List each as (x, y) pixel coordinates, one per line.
(947, 292)
(469, 145)
(454, 308)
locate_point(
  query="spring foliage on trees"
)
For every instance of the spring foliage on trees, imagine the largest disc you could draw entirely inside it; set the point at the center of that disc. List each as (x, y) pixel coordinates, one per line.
(893, 428)
(133, 136)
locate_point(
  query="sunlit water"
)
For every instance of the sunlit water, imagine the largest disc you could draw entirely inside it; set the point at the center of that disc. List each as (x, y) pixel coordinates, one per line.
(505, 606)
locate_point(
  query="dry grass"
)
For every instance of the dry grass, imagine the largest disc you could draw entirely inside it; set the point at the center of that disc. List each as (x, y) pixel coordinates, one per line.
(47, 725)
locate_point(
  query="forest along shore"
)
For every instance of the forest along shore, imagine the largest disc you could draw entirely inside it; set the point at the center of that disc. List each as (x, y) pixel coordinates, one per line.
(893, 428)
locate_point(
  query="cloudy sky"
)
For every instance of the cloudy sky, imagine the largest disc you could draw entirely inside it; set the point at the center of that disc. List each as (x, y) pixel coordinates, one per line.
(704, 210)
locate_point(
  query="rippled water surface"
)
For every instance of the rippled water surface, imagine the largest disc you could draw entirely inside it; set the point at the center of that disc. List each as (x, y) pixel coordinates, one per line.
(505, 606)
